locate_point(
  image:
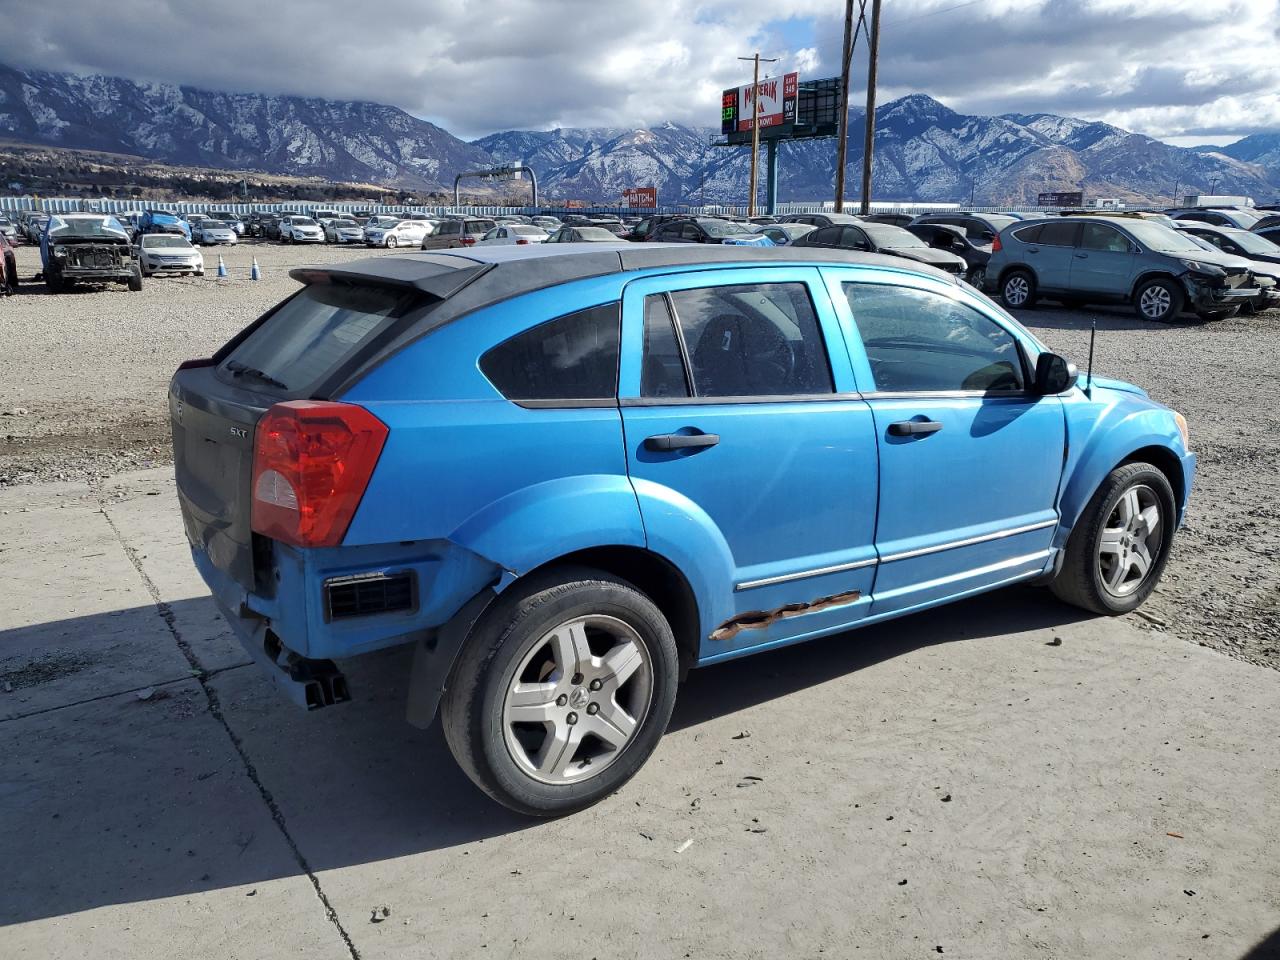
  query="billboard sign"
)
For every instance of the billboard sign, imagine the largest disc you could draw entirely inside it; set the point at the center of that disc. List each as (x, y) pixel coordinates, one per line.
(1060, 199)
(777, 104)
(640, 196)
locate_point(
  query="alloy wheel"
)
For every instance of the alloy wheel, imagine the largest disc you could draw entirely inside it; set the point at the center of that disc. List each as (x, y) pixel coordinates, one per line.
(1130, 542)
(1155, 302)
(1016, 291)
(576, 699)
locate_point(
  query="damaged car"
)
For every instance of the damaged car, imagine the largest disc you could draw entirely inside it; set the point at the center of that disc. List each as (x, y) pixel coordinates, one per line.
(564, 475)
(90, 247)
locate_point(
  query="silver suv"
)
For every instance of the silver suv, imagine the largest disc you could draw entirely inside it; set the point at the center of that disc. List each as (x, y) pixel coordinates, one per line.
(1080, 260)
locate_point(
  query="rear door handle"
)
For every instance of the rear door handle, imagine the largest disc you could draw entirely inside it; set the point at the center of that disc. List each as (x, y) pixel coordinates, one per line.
(680, 441)
(914, 428)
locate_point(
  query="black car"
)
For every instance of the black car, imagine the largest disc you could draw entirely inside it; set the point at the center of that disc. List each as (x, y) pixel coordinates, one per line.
(1241, 243)
(882, 238)
(981, 228)
(1219, 216)
(821, 219)
(641, 230)
(893, 219)
(698, 230)
(582, 234)
(943, 236)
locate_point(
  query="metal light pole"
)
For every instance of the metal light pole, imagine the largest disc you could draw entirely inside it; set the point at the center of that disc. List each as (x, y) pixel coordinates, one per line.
(755, 127)
(868, 144)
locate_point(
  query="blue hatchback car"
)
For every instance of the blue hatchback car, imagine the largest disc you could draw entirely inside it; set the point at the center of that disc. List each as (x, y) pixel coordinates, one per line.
(567, 475)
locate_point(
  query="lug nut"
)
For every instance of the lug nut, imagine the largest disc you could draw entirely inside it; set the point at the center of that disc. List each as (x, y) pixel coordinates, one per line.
(577, 679)
(561, 700)
(571, 719)
(595, 685)
(593, 708)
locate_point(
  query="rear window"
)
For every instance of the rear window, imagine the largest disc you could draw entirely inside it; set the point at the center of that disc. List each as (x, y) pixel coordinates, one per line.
(310, 336)
(480, 226)
(1029, 234)
(574, 357)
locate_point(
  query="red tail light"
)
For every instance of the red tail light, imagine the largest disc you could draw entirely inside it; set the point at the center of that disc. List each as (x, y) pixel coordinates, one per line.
(468, 241)
(521, 242)
(311, 463)
(995, 244)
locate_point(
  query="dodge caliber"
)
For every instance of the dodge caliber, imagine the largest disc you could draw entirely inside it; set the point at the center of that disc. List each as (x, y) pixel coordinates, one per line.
(566, 475)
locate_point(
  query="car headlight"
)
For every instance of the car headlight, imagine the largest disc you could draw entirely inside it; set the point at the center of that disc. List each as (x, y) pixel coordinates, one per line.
(1181, 421)
(1208, 269)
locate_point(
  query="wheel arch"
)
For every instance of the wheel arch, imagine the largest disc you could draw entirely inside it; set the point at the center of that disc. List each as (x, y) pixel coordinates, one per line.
(656, 577)
(1149, 275)
(1017, 268)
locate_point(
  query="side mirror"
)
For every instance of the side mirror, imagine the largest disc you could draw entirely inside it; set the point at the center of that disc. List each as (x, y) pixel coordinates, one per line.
(1054, 374)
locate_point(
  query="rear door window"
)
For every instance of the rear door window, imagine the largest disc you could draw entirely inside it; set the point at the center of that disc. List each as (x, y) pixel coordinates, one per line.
(571, 358)
(1059, 234)
(314, 334)
(752, 340)
(1099, 236)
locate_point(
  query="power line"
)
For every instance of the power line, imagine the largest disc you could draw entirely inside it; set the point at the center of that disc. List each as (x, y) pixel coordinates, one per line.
(933, 13)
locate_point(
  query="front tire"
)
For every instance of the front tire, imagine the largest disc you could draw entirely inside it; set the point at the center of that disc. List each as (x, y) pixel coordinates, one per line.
(1018, 290)
(1159, 301)
(392, 242)
(135, 281)
(1119, 547)
(563, 690)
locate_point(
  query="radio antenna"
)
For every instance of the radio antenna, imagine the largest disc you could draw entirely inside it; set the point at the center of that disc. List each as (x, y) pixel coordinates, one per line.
(1088, 380)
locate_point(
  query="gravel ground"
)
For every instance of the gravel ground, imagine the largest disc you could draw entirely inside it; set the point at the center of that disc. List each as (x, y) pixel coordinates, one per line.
(86, 374)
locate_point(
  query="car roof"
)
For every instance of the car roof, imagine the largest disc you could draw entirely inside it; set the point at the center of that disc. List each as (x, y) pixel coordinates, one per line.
(461, 282)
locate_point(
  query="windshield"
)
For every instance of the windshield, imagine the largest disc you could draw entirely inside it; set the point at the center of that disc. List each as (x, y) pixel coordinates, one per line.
(1161, 238)
(106, 227)
(345, 223)
(302, 221)
(722, 228)
(1243, 218)
(151, 240)
(1250, 242)
(887, 235)
(213, 224)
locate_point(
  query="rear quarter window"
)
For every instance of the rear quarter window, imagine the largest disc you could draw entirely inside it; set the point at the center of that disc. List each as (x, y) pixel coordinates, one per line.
(571, 358)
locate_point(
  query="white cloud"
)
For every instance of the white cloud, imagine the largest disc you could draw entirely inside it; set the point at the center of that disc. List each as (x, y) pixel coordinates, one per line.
(1166, 67)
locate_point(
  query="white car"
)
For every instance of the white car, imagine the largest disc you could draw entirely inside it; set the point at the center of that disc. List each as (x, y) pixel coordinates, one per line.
(232, 220)
(168, 253)
(514, 233)
(209, 231)
(343, 230)
(298, 229)
(402, 233)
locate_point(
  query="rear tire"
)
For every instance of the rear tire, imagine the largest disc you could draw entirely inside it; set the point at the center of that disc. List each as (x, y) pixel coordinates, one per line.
(1018, 290)
(1158, 300)
(583, 657)
(1115, 555)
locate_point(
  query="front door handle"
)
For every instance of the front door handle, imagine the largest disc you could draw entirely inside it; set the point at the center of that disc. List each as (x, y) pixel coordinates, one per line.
(680, 441)
(1082, 256)
(914, 428)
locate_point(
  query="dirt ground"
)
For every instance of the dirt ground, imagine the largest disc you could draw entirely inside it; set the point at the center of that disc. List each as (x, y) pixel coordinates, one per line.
(83, 397)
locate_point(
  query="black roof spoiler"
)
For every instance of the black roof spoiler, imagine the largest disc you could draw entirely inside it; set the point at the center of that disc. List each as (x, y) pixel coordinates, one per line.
(439, 277)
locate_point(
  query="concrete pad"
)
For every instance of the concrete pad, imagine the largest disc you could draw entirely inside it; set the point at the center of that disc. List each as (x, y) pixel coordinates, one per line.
(130, 831)
(143, 507)
(76, 620)
(1110, 793)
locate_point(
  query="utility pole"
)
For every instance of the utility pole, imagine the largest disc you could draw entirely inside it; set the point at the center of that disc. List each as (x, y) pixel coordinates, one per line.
(842, 146)
(1213, 184)
(755, 127)
(868, 144)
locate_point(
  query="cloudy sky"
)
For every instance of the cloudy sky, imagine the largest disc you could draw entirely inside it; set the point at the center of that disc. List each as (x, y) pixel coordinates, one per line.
(1188, 71)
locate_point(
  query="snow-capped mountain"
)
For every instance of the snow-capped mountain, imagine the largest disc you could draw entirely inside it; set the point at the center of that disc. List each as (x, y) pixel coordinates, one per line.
(365, 142)
(924, 150)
